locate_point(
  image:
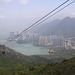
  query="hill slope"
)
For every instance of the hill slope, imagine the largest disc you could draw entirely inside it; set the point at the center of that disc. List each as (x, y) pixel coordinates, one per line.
(12, 61)
(66, 67)
(46, 28)
(65, 27)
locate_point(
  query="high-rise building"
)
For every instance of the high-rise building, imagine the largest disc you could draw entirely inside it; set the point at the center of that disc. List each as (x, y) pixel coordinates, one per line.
(52, 40)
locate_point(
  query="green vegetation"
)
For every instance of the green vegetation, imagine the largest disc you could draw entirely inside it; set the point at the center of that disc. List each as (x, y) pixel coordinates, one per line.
(14, 63)
(66, 67)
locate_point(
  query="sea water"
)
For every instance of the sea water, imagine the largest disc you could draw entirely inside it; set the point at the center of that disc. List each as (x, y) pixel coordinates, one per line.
(27, 49)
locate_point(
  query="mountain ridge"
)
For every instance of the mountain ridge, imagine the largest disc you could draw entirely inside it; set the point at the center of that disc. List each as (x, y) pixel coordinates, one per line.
(64, 27)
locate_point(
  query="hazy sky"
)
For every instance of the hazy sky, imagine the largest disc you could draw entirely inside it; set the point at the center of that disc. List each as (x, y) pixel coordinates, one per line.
(18, 14)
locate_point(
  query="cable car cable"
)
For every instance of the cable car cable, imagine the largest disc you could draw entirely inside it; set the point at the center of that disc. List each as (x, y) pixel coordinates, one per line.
(56, 12)
(38, 21)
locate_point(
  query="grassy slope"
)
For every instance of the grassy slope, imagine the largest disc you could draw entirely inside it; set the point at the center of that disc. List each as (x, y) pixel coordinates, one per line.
(66, 67)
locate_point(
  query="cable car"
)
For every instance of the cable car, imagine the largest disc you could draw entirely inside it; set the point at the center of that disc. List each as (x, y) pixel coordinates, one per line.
(3, 52)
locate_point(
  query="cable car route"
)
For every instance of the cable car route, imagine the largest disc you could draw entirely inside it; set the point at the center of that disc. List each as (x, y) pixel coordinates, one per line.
(34, 24)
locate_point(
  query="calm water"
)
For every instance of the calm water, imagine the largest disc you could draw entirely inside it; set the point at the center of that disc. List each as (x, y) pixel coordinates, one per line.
(28, 49)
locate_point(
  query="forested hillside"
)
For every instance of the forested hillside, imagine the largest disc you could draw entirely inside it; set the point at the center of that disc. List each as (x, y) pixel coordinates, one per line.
(12, 62)
(66, 67)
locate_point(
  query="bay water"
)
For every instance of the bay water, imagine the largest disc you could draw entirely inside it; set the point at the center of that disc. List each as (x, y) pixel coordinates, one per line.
(27, 49)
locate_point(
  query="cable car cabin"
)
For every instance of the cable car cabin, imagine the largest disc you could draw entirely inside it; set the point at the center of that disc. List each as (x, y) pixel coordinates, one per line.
(3, 52)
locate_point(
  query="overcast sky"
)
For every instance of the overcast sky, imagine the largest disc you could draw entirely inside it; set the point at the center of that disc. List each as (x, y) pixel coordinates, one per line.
(18, 14)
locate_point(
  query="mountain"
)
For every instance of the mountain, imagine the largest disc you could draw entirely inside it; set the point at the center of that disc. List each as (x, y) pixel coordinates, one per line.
(46, 28)
(66, 67)
(65, 27)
